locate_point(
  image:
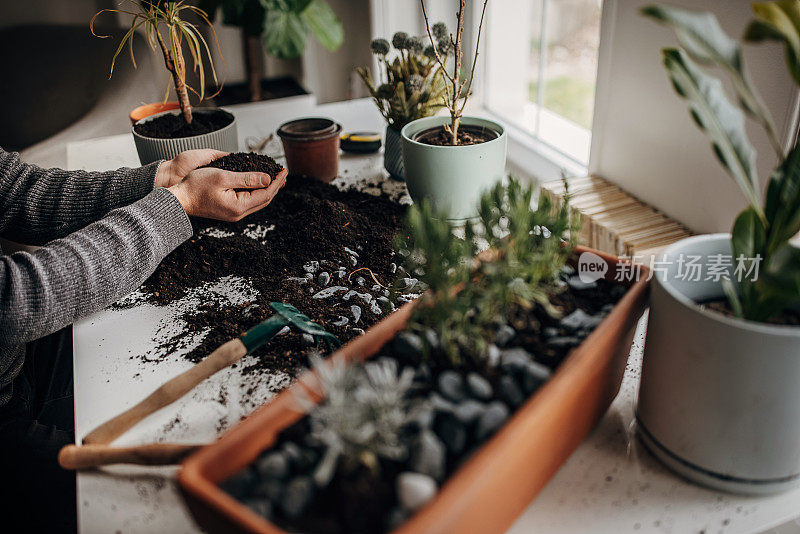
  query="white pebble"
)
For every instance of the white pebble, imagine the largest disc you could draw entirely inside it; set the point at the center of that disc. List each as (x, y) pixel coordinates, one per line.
(415, 490)
(329, 292)
(356, 310)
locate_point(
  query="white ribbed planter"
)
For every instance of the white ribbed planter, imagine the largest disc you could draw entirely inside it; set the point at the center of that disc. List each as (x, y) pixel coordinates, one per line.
(152, 149)
(719, 400)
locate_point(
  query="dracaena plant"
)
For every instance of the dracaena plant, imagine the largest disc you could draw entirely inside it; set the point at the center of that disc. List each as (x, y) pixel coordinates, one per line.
(410, 85)
(761, 232)
(155, 17)
(523, 252)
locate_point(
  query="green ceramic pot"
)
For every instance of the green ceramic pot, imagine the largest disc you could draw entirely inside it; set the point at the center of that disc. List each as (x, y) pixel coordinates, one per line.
(452, 178)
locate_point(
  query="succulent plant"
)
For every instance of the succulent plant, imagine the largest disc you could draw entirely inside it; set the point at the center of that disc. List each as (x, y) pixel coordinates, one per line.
(400, 40)
(362, 415)
(410, 85)
(379, 47)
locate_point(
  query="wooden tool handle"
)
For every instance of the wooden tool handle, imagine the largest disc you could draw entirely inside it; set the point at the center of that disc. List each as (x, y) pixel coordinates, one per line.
(88, 456)
(168, 393)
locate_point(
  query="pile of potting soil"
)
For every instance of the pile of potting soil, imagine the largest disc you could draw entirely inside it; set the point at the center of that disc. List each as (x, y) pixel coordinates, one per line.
(325, 251)
(174, 126)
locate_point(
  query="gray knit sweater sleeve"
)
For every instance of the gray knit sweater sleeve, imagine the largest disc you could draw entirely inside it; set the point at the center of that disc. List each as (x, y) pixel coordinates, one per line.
(85, 270)
(38, 205)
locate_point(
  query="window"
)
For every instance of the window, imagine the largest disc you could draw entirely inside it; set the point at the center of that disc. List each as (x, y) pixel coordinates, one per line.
(541, 67)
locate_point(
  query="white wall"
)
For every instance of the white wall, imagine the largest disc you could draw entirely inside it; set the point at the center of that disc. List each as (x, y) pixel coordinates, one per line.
(644, 139)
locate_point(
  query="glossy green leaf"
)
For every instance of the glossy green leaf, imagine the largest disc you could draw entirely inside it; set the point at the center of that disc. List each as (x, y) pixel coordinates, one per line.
(285, 34)
(722, 121)
(324, 24)
(704, 40)
(779, 21)
(783, 200)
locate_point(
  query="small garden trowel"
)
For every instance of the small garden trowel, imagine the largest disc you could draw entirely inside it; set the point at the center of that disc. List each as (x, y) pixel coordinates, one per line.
(227, 354)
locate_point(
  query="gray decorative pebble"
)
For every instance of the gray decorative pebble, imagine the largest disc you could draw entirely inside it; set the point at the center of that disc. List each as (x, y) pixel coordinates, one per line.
(353, 261)
(479, 387)
(397, 516)
(392, 268)
(283, 331)
(533, 376)
(452, 432)
(270, 488)
(431, 337)
(563, 342)
(492, 419)
(361, 281)
(580, 320)
(408, 345)
(309, 276)
(324, 278)
(273, 465)
(329, 292)
(510, 391)
(504, 335)
(415, 490)
(260, 506)
(303, 280)
(376, 287)
(297, 497)
(341, 321)
(359, 331)
(428, 455)
(579, 285)
(469, 411)
(292, 452)
(356, 311)
(311, 267)
(515, 358)
(493, 355)
(385, 304)
(440, 404)
(451, 385)
(307, 340)
(351, 252)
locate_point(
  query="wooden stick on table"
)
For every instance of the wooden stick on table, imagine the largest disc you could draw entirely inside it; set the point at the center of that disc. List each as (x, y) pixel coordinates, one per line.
(168, 393)
(88, 456)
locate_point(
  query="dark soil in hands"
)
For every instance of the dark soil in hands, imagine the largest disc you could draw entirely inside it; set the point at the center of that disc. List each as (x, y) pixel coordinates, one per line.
(467, 135)
(311, 237)
(722, 306)
(247, 162)
(174, 126)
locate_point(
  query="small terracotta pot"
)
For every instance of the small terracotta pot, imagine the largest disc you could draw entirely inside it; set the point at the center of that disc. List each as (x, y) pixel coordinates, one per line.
(495, 485)
(311, 146)
(142, 112)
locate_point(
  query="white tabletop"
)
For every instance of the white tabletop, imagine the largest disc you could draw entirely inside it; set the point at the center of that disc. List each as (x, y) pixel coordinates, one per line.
(609, 485)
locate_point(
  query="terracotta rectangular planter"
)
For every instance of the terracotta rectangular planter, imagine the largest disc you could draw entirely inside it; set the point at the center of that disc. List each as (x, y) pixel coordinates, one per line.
(496, 484)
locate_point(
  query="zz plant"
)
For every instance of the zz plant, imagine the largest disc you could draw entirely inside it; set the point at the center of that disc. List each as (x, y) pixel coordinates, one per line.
(155, 16)
(411, 85)
(761, 232)
(512, 257)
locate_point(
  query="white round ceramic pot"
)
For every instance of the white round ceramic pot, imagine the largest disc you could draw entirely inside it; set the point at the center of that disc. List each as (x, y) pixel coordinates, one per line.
(452, 178)
(152, 149)
(719, 400)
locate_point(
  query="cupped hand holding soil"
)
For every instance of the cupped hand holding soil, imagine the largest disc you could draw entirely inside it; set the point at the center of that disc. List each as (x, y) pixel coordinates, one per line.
(220, 194)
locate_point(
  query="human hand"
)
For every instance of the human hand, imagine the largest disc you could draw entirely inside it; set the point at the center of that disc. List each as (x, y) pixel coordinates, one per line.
(225, 195)
(173, 171)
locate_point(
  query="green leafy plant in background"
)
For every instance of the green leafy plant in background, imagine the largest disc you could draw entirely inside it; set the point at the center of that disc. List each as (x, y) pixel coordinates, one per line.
(152, 17)
(764, 228)
(512, 257)
(282, 26)
(411, 85)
